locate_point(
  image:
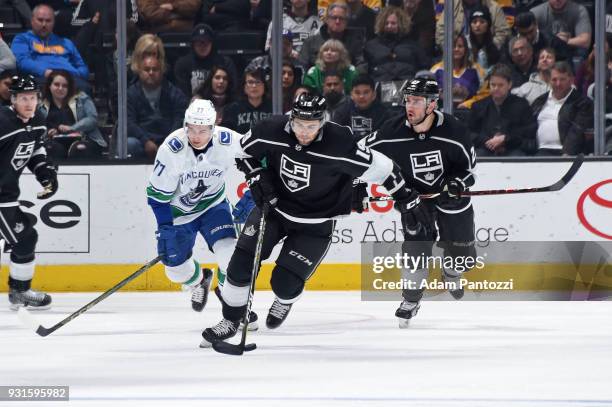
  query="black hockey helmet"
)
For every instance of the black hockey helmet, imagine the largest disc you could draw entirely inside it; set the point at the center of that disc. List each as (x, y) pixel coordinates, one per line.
(424, 87)
(23, 83)
(309, 107)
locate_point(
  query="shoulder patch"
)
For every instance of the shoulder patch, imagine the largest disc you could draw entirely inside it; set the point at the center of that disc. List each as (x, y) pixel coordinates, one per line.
(225, 138)
(175, 145)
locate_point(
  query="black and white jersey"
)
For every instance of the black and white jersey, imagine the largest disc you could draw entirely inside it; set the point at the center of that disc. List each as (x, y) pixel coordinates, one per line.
(427, 159)
(313, 182)
(21, 145)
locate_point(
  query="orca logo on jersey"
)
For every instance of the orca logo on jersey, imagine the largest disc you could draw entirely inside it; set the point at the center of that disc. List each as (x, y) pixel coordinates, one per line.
(295, 175)
(225, 137)
(427, 167)
(23, 152)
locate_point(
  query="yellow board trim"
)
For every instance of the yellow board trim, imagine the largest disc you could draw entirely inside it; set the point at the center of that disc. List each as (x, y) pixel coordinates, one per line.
(337, 277)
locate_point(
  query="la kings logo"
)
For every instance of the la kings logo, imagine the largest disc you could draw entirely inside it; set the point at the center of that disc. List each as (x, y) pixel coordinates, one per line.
(295, 175)
(23, 152)
(427, 167)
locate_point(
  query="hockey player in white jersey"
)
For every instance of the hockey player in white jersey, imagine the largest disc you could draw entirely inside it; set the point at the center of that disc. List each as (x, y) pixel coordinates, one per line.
(187, 194)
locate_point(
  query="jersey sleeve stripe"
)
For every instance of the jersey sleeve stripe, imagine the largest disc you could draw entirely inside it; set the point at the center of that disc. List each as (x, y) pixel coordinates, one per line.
(388, 141)
(263, 141)
(158, 196)
(367, 165)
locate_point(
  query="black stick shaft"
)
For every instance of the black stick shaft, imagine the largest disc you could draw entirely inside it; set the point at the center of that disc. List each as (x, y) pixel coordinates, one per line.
(42, 331)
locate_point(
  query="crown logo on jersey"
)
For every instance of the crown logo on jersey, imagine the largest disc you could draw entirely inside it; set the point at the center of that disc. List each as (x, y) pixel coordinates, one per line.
(429, 176)
(292, 184)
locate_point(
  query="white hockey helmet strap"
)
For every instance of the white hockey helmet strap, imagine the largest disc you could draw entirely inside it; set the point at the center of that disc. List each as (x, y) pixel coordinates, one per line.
(200, 112)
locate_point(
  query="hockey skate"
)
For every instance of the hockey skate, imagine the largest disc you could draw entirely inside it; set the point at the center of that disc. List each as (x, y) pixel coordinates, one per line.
(224, 330)
(277, 314)
(406, 311)
(458, 292)
(199, 292)
(29, 299)
(253, 325)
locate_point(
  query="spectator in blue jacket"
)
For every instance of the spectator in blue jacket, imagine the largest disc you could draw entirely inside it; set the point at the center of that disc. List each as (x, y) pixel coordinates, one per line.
(155, 108)
(39, 51)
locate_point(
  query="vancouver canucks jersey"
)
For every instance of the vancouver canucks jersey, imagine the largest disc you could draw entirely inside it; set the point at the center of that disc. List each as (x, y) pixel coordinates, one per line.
(192, 181)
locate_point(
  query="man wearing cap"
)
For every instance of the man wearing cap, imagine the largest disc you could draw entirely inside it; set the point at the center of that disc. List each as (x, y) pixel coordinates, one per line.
(299, 21)
(191, 70)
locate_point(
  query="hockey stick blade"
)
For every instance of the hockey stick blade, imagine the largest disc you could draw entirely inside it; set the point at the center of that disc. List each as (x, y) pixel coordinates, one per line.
(28, 319)
(231, 349)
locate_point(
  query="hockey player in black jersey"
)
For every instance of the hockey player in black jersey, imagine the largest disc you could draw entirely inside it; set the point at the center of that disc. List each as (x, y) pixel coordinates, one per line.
(307, 180)
(436, 155)
(21, 146)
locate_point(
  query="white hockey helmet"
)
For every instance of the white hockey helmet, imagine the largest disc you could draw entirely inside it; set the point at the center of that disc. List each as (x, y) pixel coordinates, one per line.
(200, 112)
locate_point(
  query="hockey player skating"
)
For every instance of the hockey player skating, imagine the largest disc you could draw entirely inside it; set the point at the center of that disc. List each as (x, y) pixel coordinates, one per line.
(307, 180)
(21, 145)
(187, 194)
(436, 155)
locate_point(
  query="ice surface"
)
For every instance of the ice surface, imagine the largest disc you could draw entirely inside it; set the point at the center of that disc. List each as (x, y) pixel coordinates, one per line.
(333, 350)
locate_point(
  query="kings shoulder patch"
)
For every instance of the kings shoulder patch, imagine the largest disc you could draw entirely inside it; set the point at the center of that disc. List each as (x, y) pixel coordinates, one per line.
(175, 145)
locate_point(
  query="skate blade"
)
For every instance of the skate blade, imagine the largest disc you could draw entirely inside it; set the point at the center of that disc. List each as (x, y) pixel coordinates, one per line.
(205, 344)
(253, 326)
(403, 323)
(17, 307)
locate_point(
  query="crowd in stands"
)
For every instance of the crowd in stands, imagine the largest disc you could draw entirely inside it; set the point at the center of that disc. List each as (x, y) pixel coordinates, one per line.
(522, 80)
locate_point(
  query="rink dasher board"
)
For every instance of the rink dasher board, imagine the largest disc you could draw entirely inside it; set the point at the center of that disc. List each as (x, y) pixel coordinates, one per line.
(98, 227)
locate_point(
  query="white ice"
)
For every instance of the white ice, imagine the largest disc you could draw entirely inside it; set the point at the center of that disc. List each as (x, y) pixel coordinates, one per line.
(333, 350)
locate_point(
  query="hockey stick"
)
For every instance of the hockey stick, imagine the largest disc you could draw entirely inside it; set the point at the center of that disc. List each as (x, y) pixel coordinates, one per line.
(29, 320)
(226, 347)
(557, 186)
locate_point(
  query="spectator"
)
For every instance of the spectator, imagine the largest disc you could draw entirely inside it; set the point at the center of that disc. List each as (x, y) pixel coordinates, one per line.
(254, 106)
(539, 82)
(265, 61)
(322, 5)
(362, 112)
(147, 45)
(155, 108)
(168, 15)
(461, 12)
(423, 27)
(480, 40)
(608, 102)
(300, 22)
(585, 75)
(218, 88)
(332, 57)
(392, 55)
(290, 82)
(568, 21)
(334, 28)
(63, 11)
(6, 79)
(502, 124)
(361, 17)
(527, 26)
(7, 59)
(563, 115)
(71, 119)
(228, 15)
(522, 62)
(333, 90)
(23, 9)
(192, 69)
(466, 76)
(40, 51)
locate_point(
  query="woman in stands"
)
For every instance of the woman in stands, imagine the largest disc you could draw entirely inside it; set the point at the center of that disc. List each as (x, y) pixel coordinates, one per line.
(392, 55)
(218, 89)
(480, 40)
(332, 56)
(466, 75)
(71, 119)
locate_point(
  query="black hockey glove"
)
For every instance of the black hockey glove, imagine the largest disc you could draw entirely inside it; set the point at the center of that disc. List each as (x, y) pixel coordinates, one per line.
(47, 176)
(450, 196)
(416, 221)
(261, 184)
(359, 201)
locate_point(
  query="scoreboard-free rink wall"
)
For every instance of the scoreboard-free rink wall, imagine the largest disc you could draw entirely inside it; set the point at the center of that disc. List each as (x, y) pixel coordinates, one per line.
(98, 228)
